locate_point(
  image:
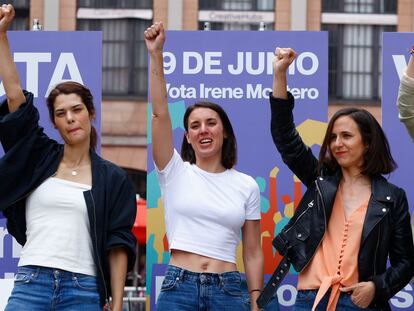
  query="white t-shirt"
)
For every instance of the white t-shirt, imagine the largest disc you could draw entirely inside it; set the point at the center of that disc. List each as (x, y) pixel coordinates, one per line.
(58, 230)
(204, 212)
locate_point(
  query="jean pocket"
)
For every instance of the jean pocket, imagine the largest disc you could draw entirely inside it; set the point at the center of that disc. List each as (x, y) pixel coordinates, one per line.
(305, 295)
(169, 283)
(24, 276)
(85, 282)
(231, 288)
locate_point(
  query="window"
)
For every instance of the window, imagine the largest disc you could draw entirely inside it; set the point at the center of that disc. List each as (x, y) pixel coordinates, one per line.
(234, 26)
(237, 5)
(360, 6)
(21, 20)
(355, 64)
(119, 4)
(124, 62)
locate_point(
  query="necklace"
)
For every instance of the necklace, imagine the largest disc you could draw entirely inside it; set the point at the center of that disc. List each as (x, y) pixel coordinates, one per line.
(75, 170)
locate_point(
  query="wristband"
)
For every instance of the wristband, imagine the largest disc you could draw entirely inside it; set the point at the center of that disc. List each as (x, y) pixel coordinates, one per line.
(255, 290)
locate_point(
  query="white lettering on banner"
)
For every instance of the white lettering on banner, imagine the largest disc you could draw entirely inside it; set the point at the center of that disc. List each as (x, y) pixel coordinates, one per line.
(400, 64)
(217, 92)
(286, 295)
(208, 63)
(314, 61)
(253, 63)
(186, 62)
(16, 247)
(212, 62)
(2, 91)
(281, 296)
(32, 60)
(403, 299)
(169, 66)
(252, 91)
(258, 92)
(181, 92)
(65, 60)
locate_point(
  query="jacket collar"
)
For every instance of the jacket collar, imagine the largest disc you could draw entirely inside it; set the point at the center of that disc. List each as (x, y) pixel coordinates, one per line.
(381, 190)
(379, 205)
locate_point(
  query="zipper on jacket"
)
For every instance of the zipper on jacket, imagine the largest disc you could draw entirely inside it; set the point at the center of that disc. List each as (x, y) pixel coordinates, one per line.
(376, 251)
(107, 305)
(324, 219)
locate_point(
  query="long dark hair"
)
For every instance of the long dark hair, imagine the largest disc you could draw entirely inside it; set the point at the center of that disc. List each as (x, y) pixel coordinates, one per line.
(84, 93)
(229, 148)
(377, 157)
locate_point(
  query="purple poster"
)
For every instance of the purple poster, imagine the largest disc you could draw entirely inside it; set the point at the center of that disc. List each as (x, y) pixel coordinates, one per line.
(234, 69)
(395, 59)
(44, 59)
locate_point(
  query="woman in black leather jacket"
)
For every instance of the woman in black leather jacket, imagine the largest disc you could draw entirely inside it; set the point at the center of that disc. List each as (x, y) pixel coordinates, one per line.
(347, 178)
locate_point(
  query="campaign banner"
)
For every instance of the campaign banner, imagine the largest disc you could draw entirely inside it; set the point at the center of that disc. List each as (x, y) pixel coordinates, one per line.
(44, 59)
(395, 57)
(234, 69)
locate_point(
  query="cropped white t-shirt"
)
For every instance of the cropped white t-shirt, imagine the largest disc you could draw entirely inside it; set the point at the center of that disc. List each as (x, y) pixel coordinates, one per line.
(204, 212)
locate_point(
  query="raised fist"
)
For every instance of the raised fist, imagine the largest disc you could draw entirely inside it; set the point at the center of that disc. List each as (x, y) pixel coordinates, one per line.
(6, 17)
(283, 58)
(155, 37)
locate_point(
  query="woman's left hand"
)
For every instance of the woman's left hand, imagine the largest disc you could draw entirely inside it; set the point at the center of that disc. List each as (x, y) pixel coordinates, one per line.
(362, 293)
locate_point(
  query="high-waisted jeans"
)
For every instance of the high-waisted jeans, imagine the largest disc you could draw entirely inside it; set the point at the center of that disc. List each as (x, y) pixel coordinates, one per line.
(44, 289)
(185, 290)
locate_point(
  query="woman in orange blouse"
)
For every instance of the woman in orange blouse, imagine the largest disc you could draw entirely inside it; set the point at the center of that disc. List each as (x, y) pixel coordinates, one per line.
(351, 219)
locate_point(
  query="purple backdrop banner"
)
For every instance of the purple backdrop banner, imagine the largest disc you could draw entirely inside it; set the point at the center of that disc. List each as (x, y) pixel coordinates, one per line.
(395, 59)
(44, 59)
(234, 69)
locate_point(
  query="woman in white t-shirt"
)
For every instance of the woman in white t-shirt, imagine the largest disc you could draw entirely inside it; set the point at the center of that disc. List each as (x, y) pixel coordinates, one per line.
(207, 203)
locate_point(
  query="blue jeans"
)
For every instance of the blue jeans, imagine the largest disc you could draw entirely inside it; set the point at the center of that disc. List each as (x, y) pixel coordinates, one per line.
(38, 288)
(185, 290)
(305, 299)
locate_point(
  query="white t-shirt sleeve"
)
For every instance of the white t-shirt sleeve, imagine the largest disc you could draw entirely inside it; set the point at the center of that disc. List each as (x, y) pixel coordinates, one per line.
(174, 166)
(253, 202)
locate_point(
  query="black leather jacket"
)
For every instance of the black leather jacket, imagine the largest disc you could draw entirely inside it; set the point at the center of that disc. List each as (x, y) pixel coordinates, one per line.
(386, 230)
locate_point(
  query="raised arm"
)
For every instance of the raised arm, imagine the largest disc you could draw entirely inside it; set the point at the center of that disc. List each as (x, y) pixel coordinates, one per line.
(162, 140)
(283, 58)
(295, 154)
(405, 101)
(8, 71)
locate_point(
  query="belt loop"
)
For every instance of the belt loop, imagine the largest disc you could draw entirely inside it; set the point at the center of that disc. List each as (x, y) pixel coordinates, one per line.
(182, 271)
(220, 279)
(37, 272)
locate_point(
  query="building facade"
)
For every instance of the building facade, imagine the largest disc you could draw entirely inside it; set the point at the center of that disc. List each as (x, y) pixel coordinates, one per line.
(355, 28)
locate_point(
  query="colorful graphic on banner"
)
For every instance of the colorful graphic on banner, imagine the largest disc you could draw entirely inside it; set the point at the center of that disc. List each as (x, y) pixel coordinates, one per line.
(395, 58)
(234, 69)
(44, 59)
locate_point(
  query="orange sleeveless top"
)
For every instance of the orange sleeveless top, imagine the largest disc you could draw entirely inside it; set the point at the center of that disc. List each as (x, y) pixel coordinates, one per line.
(335, 263)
